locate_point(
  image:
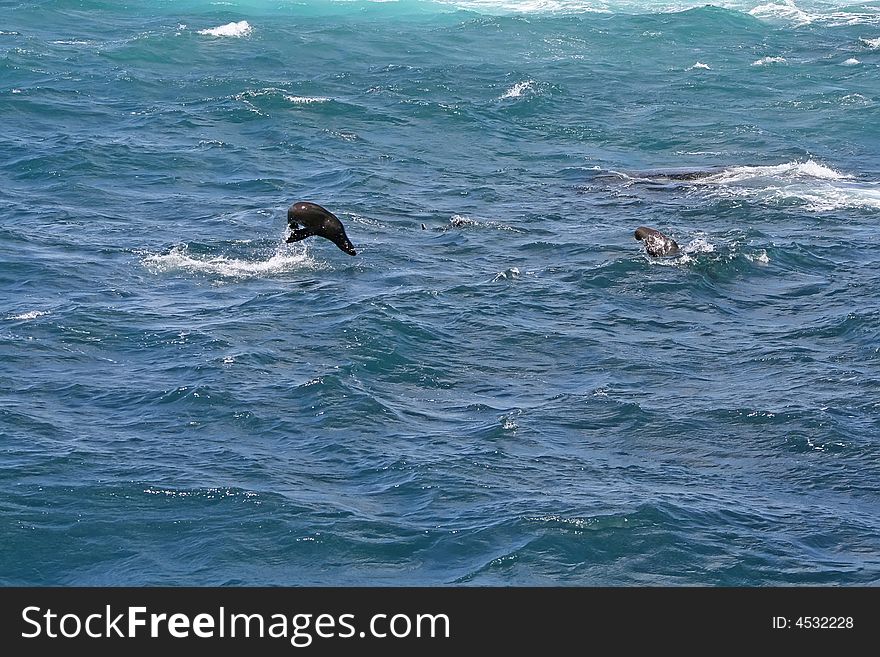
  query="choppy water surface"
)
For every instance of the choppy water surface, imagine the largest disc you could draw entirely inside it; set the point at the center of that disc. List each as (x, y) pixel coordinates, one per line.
(513, 394)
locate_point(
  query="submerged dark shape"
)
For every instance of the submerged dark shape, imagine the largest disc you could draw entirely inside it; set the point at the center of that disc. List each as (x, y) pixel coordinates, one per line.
(674, 174)
(656, 243)
(318, 221)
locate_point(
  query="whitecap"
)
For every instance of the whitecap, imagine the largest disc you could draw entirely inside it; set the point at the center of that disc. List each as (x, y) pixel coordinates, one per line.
(239, 29)
(761, 257)
(699, 65)
(795, 169)
(24, 317)
(786, 10)
(810, 184)
(531, 6)
(699, 245)
(461, 221)
(764, 61)
(306, 100)
(519, 89)
(512, 272)
(852, 61)
(871, 43)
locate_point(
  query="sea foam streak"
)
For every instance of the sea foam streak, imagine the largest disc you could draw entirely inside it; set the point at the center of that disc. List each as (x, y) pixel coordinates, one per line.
(306, 100)
(239, 29)
(179, 259)
(25, 317)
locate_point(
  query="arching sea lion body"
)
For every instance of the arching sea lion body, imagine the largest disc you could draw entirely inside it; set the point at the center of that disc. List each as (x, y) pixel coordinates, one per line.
(306, 219)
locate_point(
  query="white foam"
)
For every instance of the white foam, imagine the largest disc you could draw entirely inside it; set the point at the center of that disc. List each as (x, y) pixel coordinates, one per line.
(519, 89)
(852, 61)
(24, 317)
(852, 195)
(789, 12)
(686, 255)
(459, 221)
(855, 99)
(817, 187)
(306, 100)
(239, 29)
(179, 259)
(699, 65)
(871, 43)
(786, 10)
(532, 6)
(764, 61)
(699, 245)
(789, 170)
(761, 257)
(512, 272)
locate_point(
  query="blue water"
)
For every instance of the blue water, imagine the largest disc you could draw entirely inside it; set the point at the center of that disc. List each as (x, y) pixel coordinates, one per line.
(515, 394)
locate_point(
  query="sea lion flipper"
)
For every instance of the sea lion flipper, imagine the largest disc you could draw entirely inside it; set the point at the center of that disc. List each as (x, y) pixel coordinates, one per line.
(299, 234)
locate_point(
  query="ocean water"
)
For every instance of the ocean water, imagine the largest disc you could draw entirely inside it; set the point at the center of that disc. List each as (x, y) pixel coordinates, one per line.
(501, 388)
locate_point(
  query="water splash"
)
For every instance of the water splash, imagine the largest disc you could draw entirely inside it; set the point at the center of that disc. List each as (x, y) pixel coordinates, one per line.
(180, 259)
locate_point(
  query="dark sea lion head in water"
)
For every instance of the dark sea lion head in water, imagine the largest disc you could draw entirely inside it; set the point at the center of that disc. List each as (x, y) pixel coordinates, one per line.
(307, 219)
(656, 243)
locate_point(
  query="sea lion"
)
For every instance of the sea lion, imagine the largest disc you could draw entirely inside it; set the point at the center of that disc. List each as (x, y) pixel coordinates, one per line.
(316, 220)
(656, 243)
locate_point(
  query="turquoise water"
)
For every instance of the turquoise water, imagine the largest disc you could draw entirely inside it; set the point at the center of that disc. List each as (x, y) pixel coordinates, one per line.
(515, 394)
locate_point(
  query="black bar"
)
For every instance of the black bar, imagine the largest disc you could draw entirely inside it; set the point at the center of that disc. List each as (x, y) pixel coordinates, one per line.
(345, 620)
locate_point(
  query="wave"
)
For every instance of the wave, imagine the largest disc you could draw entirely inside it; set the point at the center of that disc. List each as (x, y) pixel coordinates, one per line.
(794, 12)
(180, 259)
(801, 13)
